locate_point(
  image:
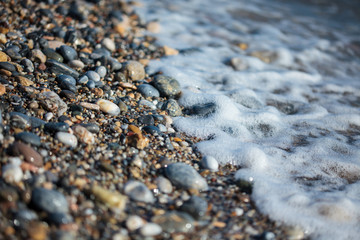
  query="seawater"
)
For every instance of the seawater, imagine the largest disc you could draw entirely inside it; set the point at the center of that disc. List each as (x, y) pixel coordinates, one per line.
(288, 114)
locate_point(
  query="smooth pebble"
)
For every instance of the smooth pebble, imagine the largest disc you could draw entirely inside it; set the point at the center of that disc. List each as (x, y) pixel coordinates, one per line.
(67, 139)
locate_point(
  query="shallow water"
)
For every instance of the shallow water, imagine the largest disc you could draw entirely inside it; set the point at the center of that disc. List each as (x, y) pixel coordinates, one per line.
(287, 112)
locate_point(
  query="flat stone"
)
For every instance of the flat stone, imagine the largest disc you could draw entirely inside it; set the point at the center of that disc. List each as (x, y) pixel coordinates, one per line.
(167, 86)
(175, 221)
(50, 201)
(108, 107)
(61, 68)
(7, 66)
(38, 55)
(138, 191)
(134, 70)
(67, 82)
(91, 127)
(54, 127)
(195, 206)
(68, 53)
(83, 134)
(78, 64)
(19, 120)
(24, 81)
(67, 139)
(52, 54)
(186, 177)
(28, 137)
(52, 102)
(148, 91)
(30, 155)
(28, 65)
(134, 222)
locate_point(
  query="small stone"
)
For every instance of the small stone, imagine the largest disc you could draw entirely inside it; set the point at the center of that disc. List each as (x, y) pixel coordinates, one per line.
(172, 107)
(123, 107)
(19, 120)
(175, 221)
(60, 68)
(148, 91)
(238, 64)
(53, 127)
(167, 86)
(92, 75)
(50, 201)
(170, 51)
(195, 206)
(164, 185)
(294, 233)
(147, 103)
(83, 134)
(55, 44)
(59, 218)
(91, 127)
(101, 70)
(12, 173)
(90, 106)
(146, 120)
(83, 79)
(209, 162)
(108, 44)
(7, 66)
(77, 64)
(67, 94)
(150, 229)
(28, 137)
(51, 54)
(134, 70)
(24, 81)
(134, 222)
(48, 116)
(110, 198)
(2, 89)
(28, 65)
(138, 140)
(186, 177)
(52, 102)
(108, 107)
(30, 155)
(68, 53)
(138, 191)
(67, 139)
(151, 129)
(38, 55)
(153, 27)
(67, 82)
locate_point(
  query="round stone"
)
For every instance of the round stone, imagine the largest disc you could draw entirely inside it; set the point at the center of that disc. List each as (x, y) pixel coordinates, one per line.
(172, 107)
(108, 44)
(167, 86)
(186, 177)
(134, 70)
(108, 107)
(195, 206)
(150, 229)
(50, 201)
(164, 185)
(83, 134)
(30, 155)
(148, 91)
(134, 222)
(76, 64)
(68, 53)
(101, 70)
(209, 162)
(12, 173)
(67, 139)
(138, 191)
(92, 75)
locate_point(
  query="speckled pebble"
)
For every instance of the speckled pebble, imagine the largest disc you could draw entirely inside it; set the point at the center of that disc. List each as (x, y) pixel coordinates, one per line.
(167, 86)
(84, 135)
(52, 102)
(30, 155)
(172, 107)
(134, 70)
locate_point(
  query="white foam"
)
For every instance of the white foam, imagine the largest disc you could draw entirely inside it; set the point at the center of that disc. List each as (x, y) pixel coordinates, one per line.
(293, 125)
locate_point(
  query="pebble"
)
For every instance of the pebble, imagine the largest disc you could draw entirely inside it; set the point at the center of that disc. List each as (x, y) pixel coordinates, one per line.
(134, 222)
(67, 82)
(24, 81)
(167, 86)
(51, 54)
(52, 102)
(38, 55)
(68, 53)
(108, 107)
(19, 120)
(101, 70)
(36, 122)
(12, 173)
(147, 103)
(202, 109)
(238, 64)
(93, 76)
(134, 70)
(108, 44)
(53, 127)
(186, 177)
(150, 229)
(61, 68)
(78, 64)
(67, 94)
(146, 120)
(148, 91)
(152, 130)
(164, 185)
(50, 201)
(195, 206)
(172, 107)
(83, 134)
(7, 66)
(28, 65)
(67, 139)
(4, 57)
(59, 218)
(91, 127)
(138, 191)
(209, 162)
(90, 106)
(28, 137)
(110, 198)
(30, 155)
(2, 89)
(115, 65)
(175, 221)
(83, 79)
(123, 107)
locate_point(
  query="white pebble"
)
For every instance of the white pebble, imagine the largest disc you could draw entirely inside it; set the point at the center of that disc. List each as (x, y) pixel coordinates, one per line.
(134, 222)
(12, 173)
(150, 229)
(164, 185)
(67, 139)
(109, 44)
(49, 116)
(108, 107)
(209, 162)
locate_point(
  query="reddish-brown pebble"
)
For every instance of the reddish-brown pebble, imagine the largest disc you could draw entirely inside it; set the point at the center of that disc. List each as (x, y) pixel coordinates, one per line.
(30, 155)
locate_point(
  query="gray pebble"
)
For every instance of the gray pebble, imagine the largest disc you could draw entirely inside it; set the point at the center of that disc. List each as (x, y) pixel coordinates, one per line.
(108, 44)
(28, 65)
(50, 201)
(134, 70)
(172, 107)
(92, 75)
(147, 103)
(195, 206)
(138, 191)
(175, 221)
(91, 84)
(59, 218)
(28, 137)
(148, 91)
(209, 162)
(83, 79)
(186, 177)
(51, 54)
(101, 70)
(167, 86)
(150, 229)
(164, 185)
(67, 139)
(19, 120)
(54, 127)
(60, 68)
(68, 53)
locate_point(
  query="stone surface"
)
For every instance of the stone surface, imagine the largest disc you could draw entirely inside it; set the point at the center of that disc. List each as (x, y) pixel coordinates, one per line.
(29, 154)
(138, 191)
(68, 53)
(60, 68)
(148, 90)
(209, 162)
(134, 70)
(108, 107)
(134, 222)
(52, 102)
(172, 107)
(108, 44)
(67, 139)
(28, 137)
(167, 86)
(84, 135)
(92, 75)
(195, 206)
(50, 201)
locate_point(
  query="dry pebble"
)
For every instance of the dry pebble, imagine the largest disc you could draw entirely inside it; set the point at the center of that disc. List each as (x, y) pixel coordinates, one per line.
(150, 229)
(67, 139)
(134, 222)
(138, 191)
(108, 107)
(134, 70)
(110, 198)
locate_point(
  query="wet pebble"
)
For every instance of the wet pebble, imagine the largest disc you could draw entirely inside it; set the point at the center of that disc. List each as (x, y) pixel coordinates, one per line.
(175, 221)
(52, 102)
(53, 127)
(195, 206)
(134, 70)
(68, 53)
(167, 86)
(147, 103)
(28, 137)
(7, 66)
(28, 65)
(172, 107)
(67, 94)
(164, 185)
(134, 222)
(152, 130)
(67, 139)
(50, 201)
(148, 90)
(51, 54)
(77, 64)
(67, 82)
(108, 107)
(209, 162)
(138, 191)
(19, 120)
(93, 76)
(101, 70)
(92, 127)
(186, 177)
(83, 79)
(150, 229)
(30, 155)
(146, 120)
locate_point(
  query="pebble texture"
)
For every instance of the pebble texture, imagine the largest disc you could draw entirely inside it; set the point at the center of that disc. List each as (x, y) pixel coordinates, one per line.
(167, 86)
(50, 201)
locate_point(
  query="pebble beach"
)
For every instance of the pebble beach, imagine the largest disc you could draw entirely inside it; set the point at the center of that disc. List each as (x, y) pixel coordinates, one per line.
(87, 142)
